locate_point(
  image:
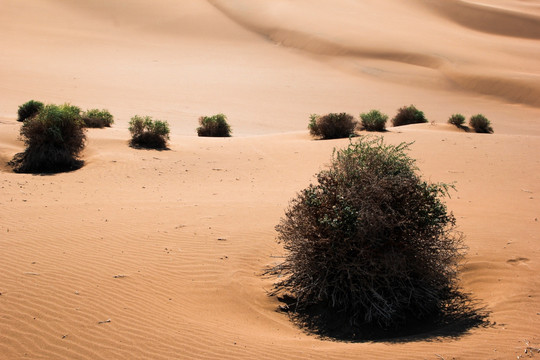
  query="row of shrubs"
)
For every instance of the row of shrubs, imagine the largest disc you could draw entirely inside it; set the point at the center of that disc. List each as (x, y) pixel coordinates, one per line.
(54, 135)
(342, 125)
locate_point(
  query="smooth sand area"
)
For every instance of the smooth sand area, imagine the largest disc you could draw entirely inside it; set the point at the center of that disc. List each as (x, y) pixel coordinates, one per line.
(147, 254)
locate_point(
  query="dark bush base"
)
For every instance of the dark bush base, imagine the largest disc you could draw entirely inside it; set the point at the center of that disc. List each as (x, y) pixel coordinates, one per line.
(95, 123)
(28, 163)
(451, 321)
(149, 140)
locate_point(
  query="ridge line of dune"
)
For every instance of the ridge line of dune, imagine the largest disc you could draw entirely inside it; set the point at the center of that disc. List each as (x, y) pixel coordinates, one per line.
(487, 18)
(507, 88)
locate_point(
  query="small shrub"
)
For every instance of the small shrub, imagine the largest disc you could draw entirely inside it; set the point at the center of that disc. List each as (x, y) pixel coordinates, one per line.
(457, 120)
(480, 124)
(371, 245)
(408, 115)
(215, 126)
(332, 126)
(95, 118)
(374, 120)
(148, 133)
(29, 109)
(53, 138)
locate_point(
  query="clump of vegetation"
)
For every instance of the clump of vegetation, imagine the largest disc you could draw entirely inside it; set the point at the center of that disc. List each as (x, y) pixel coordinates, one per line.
(29, 109)
(374, 120)
(370, 246)
(214, 126)
(148, 133)
(332, 126)
(96, 118)
(480, 124)
(408, 115)
(457, 120)
(53, 138)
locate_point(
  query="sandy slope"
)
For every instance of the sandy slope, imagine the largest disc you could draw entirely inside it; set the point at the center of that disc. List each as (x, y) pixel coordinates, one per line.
(170, 245)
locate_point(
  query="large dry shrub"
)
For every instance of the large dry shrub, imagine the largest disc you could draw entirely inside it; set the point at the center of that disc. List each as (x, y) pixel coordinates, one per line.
(370, 243)
(332, 126)
(53, 138)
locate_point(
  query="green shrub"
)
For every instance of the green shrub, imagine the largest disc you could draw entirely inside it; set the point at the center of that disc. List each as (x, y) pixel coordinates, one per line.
(53, 138)
(374, 120)
(480, 124)
(332, 126)
(148, 133)
(95, 118)
(457, 119)
(29, 109)
(370, 244)
(215, 126)
(408, 115)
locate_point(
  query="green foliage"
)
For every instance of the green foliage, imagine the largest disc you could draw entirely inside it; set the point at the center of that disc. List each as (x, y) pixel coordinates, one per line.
(29, 109)
(148, 133)
(95, 118)
(215, 126)
(374, 120)
(53, 138)
(408, 115)
(457, 119)
(332, 126)
(370, 243)
(480, 124)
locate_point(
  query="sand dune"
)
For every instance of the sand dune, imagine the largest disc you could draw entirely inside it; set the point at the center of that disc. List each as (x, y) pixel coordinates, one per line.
(159, 254)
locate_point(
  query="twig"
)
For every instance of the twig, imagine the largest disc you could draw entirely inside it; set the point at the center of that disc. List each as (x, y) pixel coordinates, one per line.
(105, 321)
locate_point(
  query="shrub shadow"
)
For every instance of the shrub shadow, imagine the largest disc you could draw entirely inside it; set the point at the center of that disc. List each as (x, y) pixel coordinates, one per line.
(452, 322)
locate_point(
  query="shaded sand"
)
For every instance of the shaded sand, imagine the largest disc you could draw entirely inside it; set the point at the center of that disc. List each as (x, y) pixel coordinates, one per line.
(157, 255)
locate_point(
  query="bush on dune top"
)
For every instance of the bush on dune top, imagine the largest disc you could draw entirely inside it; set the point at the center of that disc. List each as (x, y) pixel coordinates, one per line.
(374, 120)
(332, 125)
(29, 109)
(214, 126)
(148, 133)
(53, 138)
(480, 124)
(408, 115)
(96, 118)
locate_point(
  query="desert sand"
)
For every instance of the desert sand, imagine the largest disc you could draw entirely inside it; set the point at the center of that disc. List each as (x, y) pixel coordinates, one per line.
(147, 254)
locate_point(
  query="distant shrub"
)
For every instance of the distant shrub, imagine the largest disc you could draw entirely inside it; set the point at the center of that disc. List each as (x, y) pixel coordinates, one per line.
(457, 120)
(29, 109)
(374, 120)
(53, 138)
(332, 126)
(480, 124)
(148, 133)
(370, 245)
(95, 118)
(408, 115)
(214, 126)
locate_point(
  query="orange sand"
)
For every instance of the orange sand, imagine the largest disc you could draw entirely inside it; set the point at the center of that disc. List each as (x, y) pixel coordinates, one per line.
(169, 246)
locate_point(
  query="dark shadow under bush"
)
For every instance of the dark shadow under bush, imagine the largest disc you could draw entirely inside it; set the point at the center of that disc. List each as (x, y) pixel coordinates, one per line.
(148, 133)
(53, 138)
(332, 126)
(29, 109)
(214, 126)
(95, 118)
(408, 115)
(371, 249)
